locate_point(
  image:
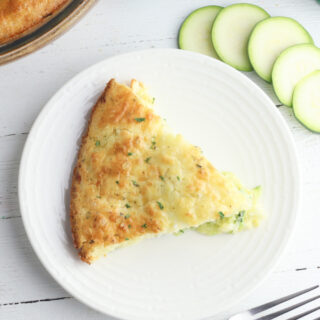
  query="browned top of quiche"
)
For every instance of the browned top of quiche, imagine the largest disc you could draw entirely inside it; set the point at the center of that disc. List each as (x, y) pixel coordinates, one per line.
(17, 16)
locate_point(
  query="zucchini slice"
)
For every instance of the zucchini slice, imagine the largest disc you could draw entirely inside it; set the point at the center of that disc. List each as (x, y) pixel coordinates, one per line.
(231, 30)
(306, 101)
(269, 38)
(291, 66)
(195, 31)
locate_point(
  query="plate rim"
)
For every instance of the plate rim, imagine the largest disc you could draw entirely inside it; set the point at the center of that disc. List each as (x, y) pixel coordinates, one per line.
(294, 160)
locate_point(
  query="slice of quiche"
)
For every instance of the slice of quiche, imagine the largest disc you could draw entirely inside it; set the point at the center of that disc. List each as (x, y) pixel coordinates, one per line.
(135, 179)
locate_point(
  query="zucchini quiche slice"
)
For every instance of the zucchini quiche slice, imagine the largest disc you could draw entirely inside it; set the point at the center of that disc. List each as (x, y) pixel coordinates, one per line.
(136, 179)
(18, 16)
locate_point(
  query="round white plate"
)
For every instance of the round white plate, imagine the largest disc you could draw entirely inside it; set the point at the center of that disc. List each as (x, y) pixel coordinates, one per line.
(187, 277)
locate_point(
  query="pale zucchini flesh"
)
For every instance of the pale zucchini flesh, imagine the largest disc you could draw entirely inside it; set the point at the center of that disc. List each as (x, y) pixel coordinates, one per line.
(269, 38)
(231, 30)
(195, 31)
(291, 66)
(306, 101)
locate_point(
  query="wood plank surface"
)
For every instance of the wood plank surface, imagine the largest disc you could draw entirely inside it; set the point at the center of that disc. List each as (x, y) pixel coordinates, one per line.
(113, 27)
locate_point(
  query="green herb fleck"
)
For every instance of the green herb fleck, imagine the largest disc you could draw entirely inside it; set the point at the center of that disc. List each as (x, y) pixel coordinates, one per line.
(135, 183)
(140, 119)
(127, 239)
(153, 144)
(162, 178)
(181, 231)
(160, 205)
(199, 166)
(99, 197)
(129, 226)
(127, 216)
(144, 225)
(97, 143)
(128, 205)
(130, 153)
(178, 178)
(239, 217)
(221, 214)
(153, 99)
(117, 182)
(147, 160)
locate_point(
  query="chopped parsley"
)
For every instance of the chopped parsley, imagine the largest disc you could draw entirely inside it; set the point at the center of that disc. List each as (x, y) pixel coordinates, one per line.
(144, 225)
(178, 178)
(130, 153)
(199, 166)
(239, 216)
(128, 205)
(129, 226)
(127, 216)
(135, 183)
(99, 197)
(117, 182)
(160, 205)
(97, 143)
(140, 119)
(181, 231)
(127, 239)
(147, 160)
(161, 177)
(221, 214)
(153, 99)
(153, 144)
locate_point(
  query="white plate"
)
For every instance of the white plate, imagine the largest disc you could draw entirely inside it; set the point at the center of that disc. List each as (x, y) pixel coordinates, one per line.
(186, 277)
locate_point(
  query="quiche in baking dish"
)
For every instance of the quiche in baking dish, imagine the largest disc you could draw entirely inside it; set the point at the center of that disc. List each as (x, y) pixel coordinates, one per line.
(135, 179)
(17, 16)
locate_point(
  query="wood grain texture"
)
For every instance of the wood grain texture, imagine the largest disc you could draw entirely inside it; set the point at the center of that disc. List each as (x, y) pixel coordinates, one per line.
(27, 291)
(10, 153)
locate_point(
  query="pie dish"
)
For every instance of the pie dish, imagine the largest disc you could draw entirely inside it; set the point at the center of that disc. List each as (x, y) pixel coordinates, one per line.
(28, 25)
(17, 16)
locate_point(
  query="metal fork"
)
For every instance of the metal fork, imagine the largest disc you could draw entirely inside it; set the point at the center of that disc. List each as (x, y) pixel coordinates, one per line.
(250, 314)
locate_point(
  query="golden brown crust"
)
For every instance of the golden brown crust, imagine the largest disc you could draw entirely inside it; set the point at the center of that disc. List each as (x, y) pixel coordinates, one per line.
(76, 178)
(17, 16)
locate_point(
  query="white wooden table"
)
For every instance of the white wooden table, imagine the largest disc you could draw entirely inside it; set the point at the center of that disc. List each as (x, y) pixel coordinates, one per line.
(27, 291)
